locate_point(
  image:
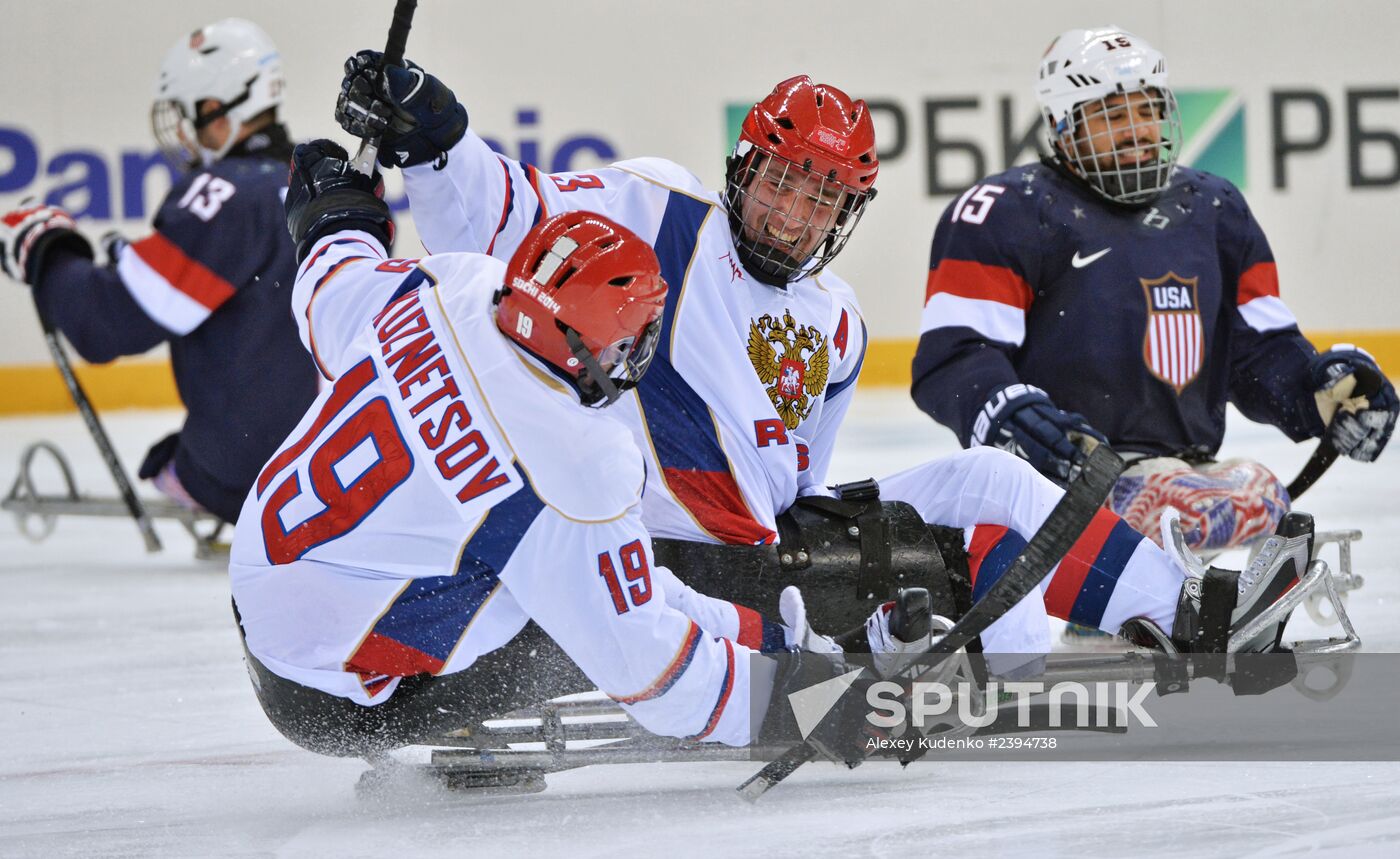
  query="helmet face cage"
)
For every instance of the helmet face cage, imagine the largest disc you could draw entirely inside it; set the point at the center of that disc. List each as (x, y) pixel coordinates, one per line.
(779, 209)
(232, 62)
(175, 133)
(1127, 156)
(585, 296)
(638, 356)
(616, 368)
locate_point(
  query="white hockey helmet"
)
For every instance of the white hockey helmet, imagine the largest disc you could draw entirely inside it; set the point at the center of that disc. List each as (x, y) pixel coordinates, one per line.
(232, 61)
(1126, 159)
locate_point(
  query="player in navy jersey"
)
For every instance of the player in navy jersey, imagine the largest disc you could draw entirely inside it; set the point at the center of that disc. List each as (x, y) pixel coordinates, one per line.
(214, 279)
(1109, 291)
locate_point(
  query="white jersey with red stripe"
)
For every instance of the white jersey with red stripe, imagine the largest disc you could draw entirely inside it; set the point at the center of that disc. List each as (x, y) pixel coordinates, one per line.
(425, 508)
(738, 413)
(730, 445)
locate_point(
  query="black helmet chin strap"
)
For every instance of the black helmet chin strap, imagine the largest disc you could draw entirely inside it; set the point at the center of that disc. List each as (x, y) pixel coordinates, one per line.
(606, 389)
(202, 121)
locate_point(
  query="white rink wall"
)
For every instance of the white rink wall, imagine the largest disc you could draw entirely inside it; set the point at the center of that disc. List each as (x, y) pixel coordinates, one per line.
(574, 84)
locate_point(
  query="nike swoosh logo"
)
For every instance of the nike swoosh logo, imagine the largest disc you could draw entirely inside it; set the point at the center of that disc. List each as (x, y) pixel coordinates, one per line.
(1080, 262)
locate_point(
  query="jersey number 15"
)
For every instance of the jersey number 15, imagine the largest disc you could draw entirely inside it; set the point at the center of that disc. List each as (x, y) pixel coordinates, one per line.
(972, 207)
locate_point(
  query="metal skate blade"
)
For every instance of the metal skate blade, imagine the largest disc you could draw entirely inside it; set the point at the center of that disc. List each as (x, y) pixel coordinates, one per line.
(1343, 578)
(1317, 579)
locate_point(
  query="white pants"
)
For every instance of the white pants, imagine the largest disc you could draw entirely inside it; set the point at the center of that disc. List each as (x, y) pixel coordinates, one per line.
(1112, 573)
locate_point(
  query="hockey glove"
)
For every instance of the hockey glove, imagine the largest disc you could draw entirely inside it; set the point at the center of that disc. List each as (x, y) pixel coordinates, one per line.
(1021, 419)
(325, 194)
(1356, 401)
(833, 729)
(112, 244)
(840, 730)
(415, 116)
(28, 234)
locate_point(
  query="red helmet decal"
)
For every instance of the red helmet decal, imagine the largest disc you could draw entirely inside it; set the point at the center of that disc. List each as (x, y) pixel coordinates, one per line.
(583, 273)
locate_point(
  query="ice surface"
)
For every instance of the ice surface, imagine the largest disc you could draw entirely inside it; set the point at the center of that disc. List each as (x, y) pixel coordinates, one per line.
(128, 726)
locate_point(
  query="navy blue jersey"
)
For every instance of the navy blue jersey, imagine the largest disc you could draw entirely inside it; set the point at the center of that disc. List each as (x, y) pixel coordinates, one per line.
(214, 280)
(1144, 320)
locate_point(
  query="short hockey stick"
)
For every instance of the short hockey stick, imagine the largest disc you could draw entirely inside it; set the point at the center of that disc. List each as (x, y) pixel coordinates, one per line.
(99, 435)
(393, 55)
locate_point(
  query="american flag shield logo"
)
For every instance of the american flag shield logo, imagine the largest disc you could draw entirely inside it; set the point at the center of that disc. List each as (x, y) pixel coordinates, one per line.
(1174, 344)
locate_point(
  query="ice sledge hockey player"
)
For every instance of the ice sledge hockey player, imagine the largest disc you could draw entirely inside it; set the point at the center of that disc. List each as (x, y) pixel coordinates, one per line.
(759, 351)
(214, 279)
(1109, 291)
(454, 529)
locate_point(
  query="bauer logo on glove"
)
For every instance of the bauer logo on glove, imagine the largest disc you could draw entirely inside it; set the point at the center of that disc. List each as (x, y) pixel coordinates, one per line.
(1021, 419)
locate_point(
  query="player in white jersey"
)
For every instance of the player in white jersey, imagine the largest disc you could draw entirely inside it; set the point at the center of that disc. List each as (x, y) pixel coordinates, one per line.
(760, 348)
(455, 509)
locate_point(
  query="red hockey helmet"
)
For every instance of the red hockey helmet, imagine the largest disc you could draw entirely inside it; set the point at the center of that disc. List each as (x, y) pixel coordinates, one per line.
(585, 295)
(801, 172)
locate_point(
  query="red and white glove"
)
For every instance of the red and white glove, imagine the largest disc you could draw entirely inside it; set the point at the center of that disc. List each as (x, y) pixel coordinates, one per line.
(27, 234)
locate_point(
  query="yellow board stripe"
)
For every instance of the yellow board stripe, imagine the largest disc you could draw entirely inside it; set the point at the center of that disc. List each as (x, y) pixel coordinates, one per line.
(123, 384)
(33, 389)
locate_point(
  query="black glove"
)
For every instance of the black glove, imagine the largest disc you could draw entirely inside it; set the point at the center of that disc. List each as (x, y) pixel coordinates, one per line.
(112, 244)
(325, 195)
(1021, 419)
(28, 234)
(840, 734)
(159, 456)
(415, 116)
(1356, 401)
(839, 731)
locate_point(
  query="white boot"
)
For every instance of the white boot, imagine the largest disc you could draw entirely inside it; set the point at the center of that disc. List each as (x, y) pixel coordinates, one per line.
(798, 632)
(895, 633)
(1223, 611)
(903, 629)
(1174, 542)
